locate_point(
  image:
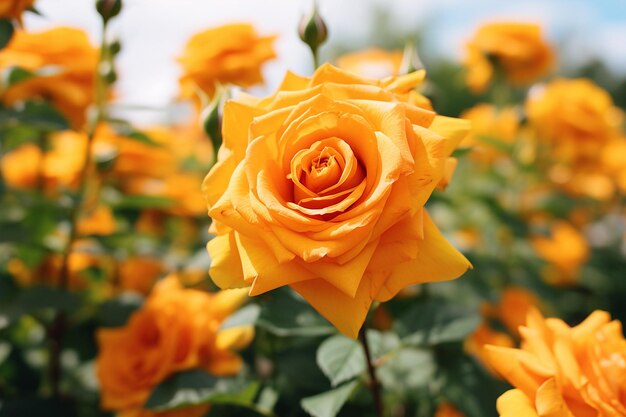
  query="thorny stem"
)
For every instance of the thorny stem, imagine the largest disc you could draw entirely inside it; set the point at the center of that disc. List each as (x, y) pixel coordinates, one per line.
(59, 325)
(374, 385)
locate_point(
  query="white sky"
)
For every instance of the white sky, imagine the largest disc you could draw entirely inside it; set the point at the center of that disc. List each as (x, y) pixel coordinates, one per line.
(153, 32)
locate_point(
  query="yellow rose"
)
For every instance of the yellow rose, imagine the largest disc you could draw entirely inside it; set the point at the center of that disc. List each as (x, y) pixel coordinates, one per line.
(498, 124)
(60, 166)
(322, 187)
(518, 50)
(566, 250)
(175, 329)
(372, 62)
(564, 371)
(575, 117)
(229, 54)
(13, 9)
(64, 62)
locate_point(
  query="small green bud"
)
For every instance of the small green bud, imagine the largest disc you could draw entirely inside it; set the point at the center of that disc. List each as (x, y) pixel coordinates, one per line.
(115, 47)
(312, 29)
(108, 9)
(105, 160)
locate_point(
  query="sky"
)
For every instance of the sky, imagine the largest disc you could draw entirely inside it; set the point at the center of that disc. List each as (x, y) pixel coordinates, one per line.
(153, 33)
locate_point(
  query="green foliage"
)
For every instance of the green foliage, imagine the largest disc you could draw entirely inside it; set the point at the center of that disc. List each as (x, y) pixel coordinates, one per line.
(6, 32)
(197, 387)
(433, 322)
(328, 404)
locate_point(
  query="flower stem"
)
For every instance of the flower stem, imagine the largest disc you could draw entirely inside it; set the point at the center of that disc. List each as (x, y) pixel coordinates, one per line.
(58, 327)
(374, 384)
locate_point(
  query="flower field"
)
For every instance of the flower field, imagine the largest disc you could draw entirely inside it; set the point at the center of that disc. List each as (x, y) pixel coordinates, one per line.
(384, 234)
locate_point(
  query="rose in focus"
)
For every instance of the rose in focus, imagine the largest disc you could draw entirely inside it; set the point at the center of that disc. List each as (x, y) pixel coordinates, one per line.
(564, 371)
(322, 187)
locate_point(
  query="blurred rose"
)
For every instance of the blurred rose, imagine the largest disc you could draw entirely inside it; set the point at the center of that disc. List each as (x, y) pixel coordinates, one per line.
(196, 411)
(564, 371)
(61, 165)
(175, 329)
(485, 335)
(565, 250)
(13, 9)
(372, 62)
(490, 124)
(96, 221)
(139, 273)
(229, 54)
(575, 118)
(445, 409)
(64, 63)
(322, 187)
(516, 49)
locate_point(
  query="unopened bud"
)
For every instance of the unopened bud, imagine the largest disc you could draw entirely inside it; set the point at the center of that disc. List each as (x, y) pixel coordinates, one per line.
(108, 9)
(410, 59)
(312, 29)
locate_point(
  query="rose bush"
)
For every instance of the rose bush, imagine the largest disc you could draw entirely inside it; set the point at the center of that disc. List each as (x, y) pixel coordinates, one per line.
(322, 187)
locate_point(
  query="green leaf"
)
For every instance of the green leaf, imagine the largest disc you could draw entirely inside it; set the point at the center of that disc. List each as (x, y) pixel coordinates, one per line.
(17, 75)
(116, 312)
(6, 32)
(143, 202)
(329, 403)
(244, 316)
(433, 322)
(36, 114)
(408, 370)
(124, 128)
(38, 298)
(196, 387)
(342, 358)
(286, 314)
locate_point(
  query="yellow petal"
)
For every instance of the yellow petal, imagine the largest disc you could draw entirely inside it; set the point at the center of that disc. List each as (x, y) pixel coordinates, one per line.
(514, 403)
(345, 313)
(226, 269)
(550, 402)
(234, 338)
(436, 260)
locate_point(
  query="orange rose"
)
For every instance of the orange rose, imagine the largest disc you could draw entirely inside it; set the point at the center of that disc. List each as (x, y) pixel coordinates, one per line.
(445, 409)
(182, 188)
(196, 411)
(97, 221)
(229, 54)
(139, 273)
(61, 165)
(175, 329)
(488, 121)
(322, 187)
(576, 117)
(565, 251)
(64, 63)
(518, 49)
(13, 9)
(82, 258)
(485, 335)
(372, 62)
(565, 371)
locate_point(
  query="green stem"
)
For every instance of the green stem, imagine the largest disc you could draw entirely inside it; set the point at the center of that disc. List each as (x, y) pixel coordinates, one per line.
(59, 325)
(316, 59)
(374, 385)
